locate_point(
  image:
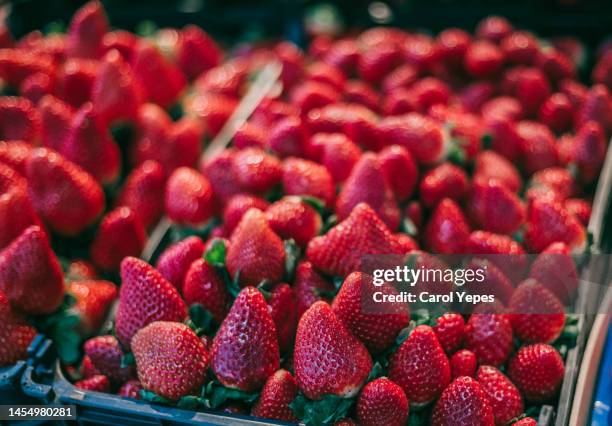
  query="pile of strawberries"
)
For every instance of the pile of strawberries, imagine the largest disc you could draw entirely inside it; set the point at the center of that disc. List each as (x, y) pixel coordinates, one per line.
(384, 142)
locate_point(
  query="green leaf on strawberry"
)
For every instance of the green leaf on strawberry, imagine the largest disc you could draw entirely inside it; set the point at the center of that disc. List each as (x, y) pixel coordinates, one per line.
(323, 412)
(292, 256)
(215, 394)
(200, 320)
(149, 396)
(127, 360)
(215, 255)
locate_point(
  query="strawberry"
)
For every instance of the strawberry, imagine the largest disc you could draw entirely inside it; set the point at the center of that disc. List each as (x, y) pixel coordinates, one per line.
(520, 48)
(450, 331)
(537, 146)
(557, 112)
(250, 135)
(463, 363)
(375, 63)
(340, 251)
(497, 283)
(602, 72)
(245, 349)
(483, 59)
(597, 106)
(87, 28)
(130, 389)
(212, 109)
(555, 179)
(555, 64)
(87, 369)
(548, 222)
(237, 206)
(489, 336)
(338, 153)
(197, 52)
(421, 135)
(145, 296)
(313, 94)
(359, 92)
(202, 284)
(19, 120)
(288, 137)
(105, 354)
(174, 261)
(328, 359)
(75, 81)
(342, 54)
(406, 242)
(536, 314)
(474, 95)
(321, 72)
(463, 402)
(143, 192)
(400, 170)
(354, 307)
(303, 177)
(447, 228)
(16, 334)
(494, 28)
(502, 250)
(15, 155)
(401, 77)
(420, 366)
(588, 151)
(580, 208)
(36, 86)
(382, 402)
(504, 398)
(368, 184)
(443, 181)
(278, 392)
(309, 287)
(93, 301)
(493, 207)
(219, 172)
(502, 107)
(525, 421)
(89, 145)
(452, 45)
(122, 41)
(292, 218)
(96, 383)
(414, 212)
(491, 165)
(18, 64)
(428, 92)
(506, 139)
(189, 198)
(80, 269)
(292, 60)
(283, 310)
(537, 370)
(398, 102)
(56, 119)
(30, 274)
(421, 52)
(256, 170)
(171, 360)
(575, 91)
(532, 88)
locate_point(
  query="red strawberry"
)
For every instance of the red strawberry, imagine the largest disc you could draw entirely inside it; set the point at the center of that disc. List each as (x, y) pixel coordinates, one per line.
(237, 206)
(597, 106)
(105, 354)
(554, 179)
(444, 181)
(580, 208)
(354, 306)
(463, 402)
(506, 139)
(536, 314)
(16, 334)
(420, 366)
(143, 192)
(421, 51)
(56, 119)
(256, 171)
(145, 296)
(284, 314)
(428, 92)
(406, 242)
(87, 28)
(212, 109)
(531, 89)
(15, 155)
(292, 60)
(359, 92)
(497, 283)
(87, 368)
(463, 363)
(188, 198)
(447, 228)
(81, 270)
(93, 301)
(506, 253)
(18, 64)
(197, 52)
(174, 262)
(338, 153)
(489, 336)
(400, 170)
(170, 358)
(30, 274)
(414, 212)
(292, 218)
(278, 392)
(504, 398)
(400, 78)
(450, 331)
(36, 86)
(342, 54)
(245, 349)
(19, 120)
(537, 370)
(313, 94)
(520, 47)
(493, 207)
(309, 287)
(490, 165)
(76, 79)
(328, 359)
(122, 41)
(288, 137)
(475, 94)
(557, 112)
(538, 147)
(202, 284)
(548, 222)
(588, 151)
(368, 184)
(382, 402)
(452, 44)
(398, 102)
(130, 389)
(340, 251)
(483, 59)
(526, 421)
(556, 269)
(96, 383)
(303, 177)
(219, 171)
(250, 135)
(555, 64)
(376, 62)
(494, 28)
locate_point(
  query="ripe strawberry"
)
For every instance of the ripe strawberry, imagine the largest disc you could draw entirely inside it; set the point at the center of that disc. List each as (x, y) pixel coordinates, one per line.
(130, 389)
(303, 177)
(18, 64)
(597, 106)
(30, 274)
(489, 336)
(382, 402)
(490, 165)
(105, 354)
(292, 60)
(531, 88)
(15, 332)
(421, 52)
(376, 62)
(122, 41)
(538, 147)
(256, 170)
(536, 314)
(292, 218)
(342, 54)
(143, 192)
(376, 328)
(520, 48)
(463, 363)
(174, 262)
(580, 208)
(401, 77)
(493, 207)
(219, 172)
(337, 153)
(250, 135)
(588, 151)
(313, 94)
(443, 181)
(96, 383)
(197, 52)
(245, 349)
(555, 64)
(504, 398)
(555, 179)
(463, 402)
(506, 139)
(502, 107)
(359, 92)
(340, 251)
(19, 120)
(76, 79)
(237, 206)
(414, 212)
(575, 91)
(15, 155)
(400, 170)
(452, 45)
(202, 284)
(171, 360)
(189, 198)
(548, 222)
(93, 301)
(80, 269)
(447, 229)
(288, 137)
(36, 86)
(145, 296)
(278, 392)
(212, 109)
(328, 359)
(428, 92)
(420, 366)
(502, 250)
(494, 28)
(474, 95)
(283, 310)
(368, 184)
(398, 102)
(56, 119)
(87, 369)
(557, 112)
(322, 72)
(497, 283)
(450, 331)
(309, 287)
(537, 370)
(406, 243)
(87, 28)
(483, 59)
